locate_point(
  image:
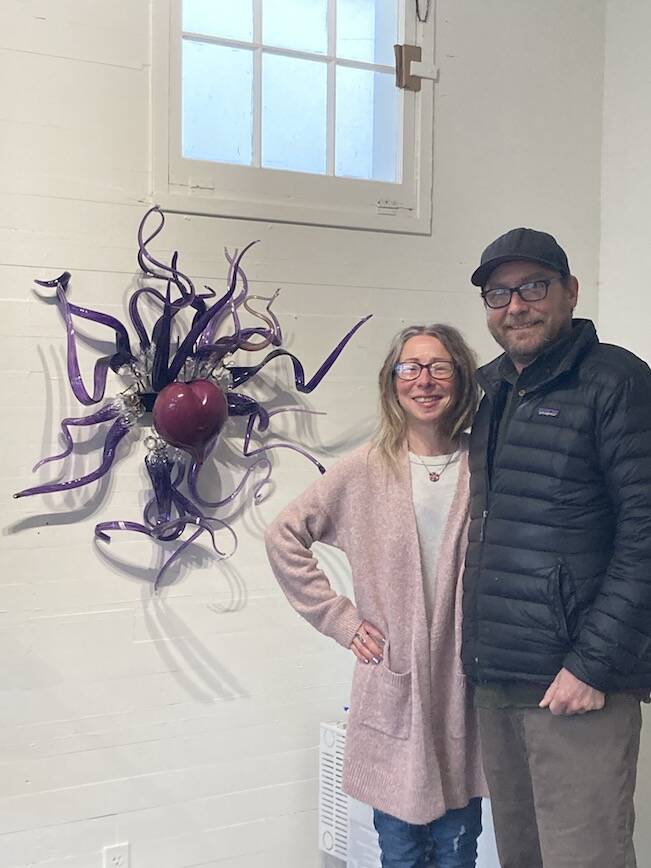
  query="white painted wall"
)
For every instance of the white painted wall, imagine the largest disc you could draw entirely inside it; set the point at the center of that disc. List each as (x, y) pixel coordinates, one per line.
(624, 298)
(187, 724)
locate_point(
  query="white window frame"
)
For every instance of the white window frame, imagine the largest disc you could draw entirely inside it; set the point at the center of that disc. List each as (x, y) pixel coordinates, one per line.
(245, 192)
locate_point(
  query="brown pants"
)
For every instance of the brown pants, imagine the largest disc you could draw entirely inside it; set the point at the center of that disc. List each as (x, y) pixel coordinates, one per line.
(562, 787)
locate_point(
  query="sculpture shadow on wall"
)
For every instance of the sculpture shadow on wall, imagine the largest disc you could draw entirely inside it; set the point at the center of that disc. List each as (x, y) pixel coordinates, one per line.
(189, 659)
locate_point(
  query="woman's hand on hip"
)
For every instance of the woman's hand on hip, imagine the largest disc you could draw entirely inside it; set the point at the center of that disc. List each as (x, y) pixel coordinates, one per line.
(368, 643)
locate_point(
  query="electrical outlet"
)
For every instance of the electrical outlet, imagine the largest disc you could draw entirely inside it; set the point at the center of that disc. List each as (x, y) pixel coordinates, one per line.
(116, 856)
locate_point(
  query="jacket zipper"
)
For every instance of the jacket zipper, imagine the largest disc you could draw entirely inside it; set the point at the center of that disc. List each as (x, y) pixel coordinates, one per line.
(485, 511)
(482, 528)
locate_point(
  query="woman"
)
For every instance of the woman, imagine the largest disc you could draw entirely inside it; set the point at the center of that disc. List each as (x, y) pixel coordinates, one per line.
(398, 508)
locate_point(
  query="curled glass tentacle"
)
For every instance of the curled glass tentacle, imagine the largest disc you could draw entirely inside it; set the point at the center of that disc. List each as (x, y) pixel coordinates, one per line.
(199, 303)
(251, 453)
(208, 335)
(241, 405)
(161, 338)
(187, 294)
(172, 534)
(174, 557)
(62, 280)
(218, 349)
(104, 529)
(134, 314)
(122, 344)
(273, 334)
(143, 242)
(244, 334)
(115, 434)
(237, 327)
(149, 512)
(241, 336)
(244, 405)
(108, 412)
(204, 526)
(102, 365)
(154, 267)
(241, 375)
(187, 344)
(245, 280)
(193, 479)
(136, 319)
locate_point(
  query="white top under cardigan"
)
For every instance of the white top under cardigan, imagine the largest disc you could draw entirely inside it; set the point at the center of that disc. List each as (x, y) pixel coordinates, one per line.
(432, 502)
(412, 747)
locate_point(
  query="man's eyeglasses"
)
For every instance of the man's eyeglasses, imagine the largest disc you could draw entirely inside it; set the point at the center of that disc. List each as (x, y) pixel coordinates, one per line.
(411, 370)
(534, 290)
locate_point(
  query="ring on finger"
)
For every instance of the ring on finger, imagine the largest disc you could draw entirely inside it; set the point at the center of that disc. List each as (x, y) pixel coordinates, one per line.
(361, 638)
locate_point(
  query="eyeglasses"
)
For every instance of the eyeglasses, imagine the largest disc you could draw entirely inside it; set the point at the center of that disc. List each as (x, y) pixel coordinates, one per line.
(534, 290)
(411, 370)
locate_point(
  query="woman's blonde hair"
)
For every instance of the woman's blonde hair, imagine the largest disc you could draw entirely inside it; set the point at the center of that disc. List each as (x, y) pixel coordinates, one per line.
(392, 425)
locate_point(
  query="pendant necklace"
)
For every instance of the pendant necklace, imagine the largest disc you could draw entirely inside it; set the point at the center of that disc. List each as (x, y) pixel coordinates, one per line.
(435, 475)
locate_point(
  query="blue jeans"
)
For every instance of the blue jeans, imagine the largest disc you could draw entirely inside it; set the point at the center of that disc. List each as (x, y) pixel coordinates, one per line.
(449, 842)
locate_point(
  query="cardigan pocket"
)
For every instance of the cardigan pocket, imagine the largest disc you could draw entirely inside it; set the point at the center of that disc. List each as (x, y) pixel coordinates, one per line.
(385, 702)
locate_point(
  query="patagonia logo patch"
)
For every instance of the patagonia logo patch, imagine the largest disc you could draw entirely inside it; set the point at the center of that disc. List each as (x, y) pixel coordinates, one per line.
(548, 411)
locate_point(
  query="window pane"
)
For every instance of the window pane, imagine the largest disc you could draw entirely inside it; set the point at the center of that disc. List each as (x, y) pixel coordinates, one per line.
(298, 24)
(293, 114)
(367, 30)
(366, 136)
(217, 103)
(225, 18)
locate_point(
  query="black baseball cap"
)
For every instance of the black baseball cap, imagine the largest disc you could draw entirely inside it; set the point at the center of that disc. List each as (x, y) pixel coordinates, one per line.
(527, 244)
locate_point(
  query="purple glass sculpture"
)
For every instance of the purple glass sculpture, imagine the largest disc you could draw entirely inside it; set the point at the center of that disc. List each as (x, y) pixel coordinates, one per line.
(188, 383)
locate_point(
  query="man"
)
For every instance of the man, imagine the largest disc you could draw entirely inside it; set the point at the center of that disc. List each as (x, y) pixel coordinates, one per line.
(557, 586)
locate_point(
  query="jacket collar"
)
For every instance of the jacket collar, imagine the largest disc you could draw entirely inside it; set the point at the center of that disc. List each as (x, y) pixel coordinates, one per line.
(557, 359)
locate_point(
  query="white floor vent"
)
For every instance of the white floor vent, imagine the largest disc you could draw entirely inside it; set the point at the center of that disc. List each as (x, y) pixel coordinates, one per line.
(345, 825)
(333, 803)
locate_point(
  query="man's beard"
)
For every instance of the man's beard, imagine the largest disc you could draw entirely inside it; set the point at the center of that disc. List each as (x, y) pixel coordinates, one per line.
(526, 355)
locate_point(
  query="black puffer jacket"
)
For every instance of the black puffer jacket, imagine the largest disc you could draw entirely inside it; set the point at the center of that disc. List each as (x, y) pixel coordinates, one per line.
(558, 570)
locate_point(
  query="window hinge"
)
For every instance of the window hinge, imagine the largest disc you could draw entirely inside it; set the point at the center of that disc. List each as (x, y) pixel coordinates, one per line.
(410, 70)
(390, 208)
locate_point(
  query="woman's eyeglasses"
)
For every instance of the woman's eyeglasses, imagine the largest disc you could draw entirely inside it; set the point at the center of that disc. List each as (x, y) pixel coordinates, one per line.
(411, 370)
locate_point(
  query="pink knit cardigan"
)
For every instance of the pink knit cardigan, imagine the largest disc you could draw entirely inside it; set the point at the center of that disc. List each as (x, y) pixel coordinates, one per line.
(412, 748)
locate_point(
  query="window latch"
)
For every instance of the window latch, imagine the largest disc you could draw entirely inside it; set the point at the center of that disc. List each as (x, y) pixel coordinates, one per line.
(389, 207)
(409, 68)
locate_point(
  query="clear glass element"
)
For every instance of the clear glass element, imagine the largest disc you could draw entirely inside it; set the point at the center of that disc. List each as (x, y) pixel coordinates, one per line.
(216, 108)
(230, 19)
(298, 24)
(294, 94)
(367, 30)
(367, 140)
